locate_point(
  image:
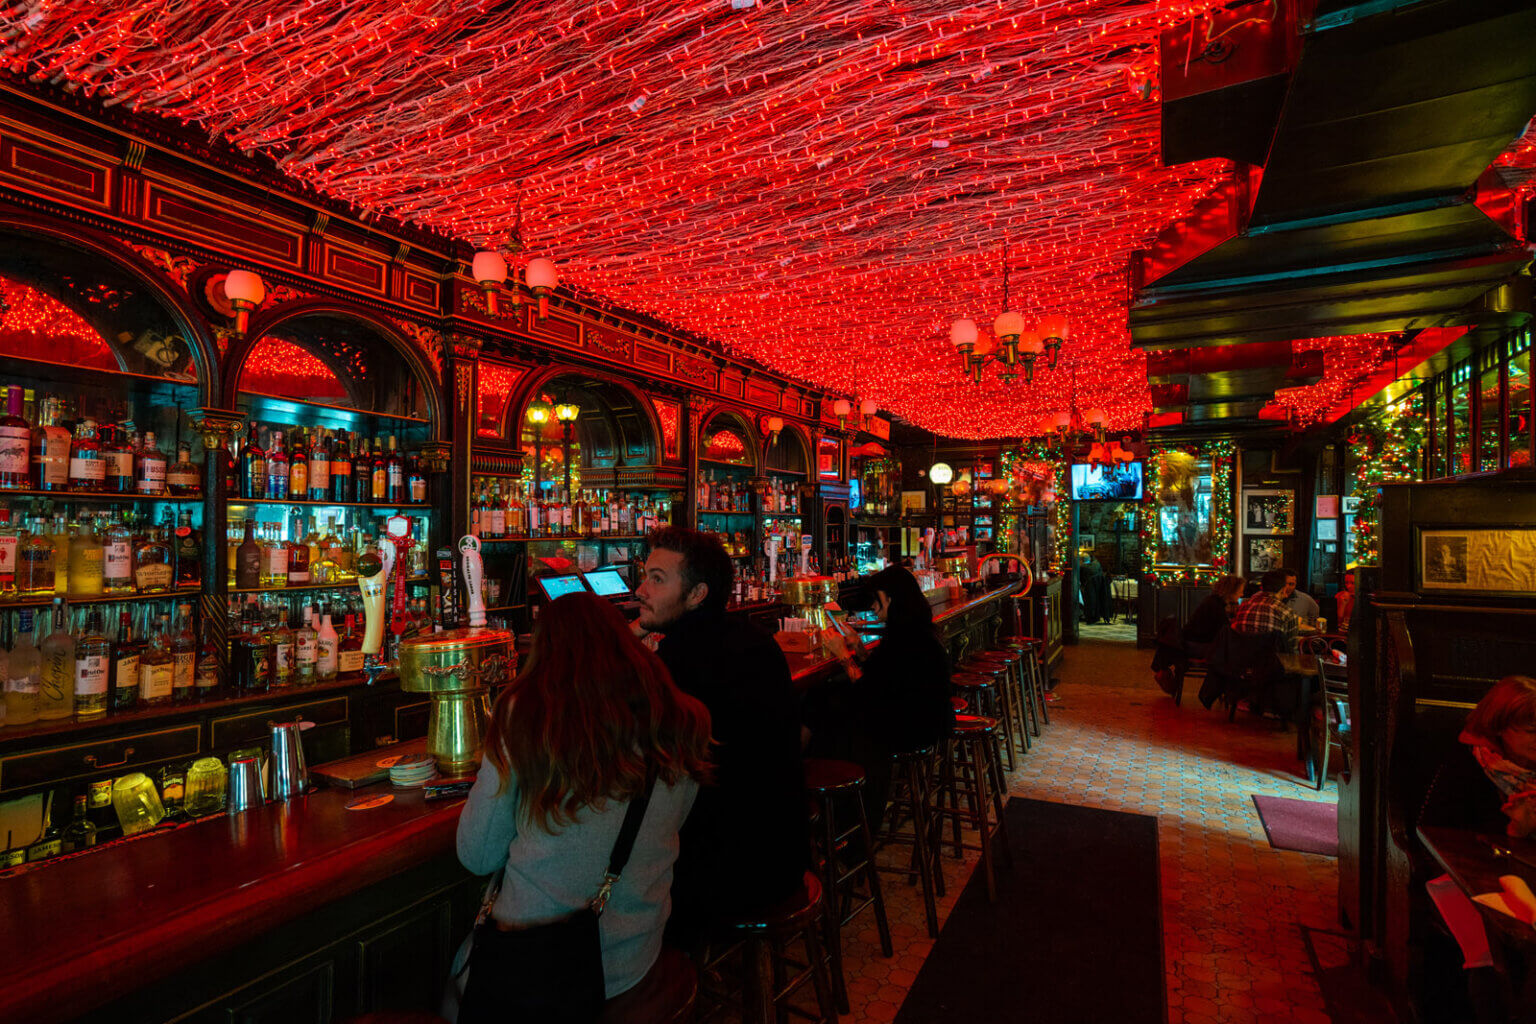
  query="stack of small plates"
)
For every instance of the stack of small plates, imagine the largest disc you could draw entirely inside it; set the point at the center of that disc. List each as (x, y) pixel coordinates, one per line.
(413, 772)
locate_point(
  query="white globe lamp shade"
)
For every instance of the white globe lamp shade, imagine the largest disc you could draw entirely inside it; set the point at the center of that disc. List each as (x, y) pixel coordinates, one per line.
(867, 407)
(941, 473)
(1061, 420)
(1008, 325)
(842, 407)
(775, 424)
(489, 268)
(541, 273)
(1030, 343)
(962, 332)
(1095, 417)
(244, 286)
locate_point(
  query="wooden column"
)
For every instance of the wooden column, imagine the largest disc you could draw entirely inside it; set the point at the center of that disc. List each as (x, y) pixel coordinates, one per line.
(218, 428)
(692, 443)
(461, 388)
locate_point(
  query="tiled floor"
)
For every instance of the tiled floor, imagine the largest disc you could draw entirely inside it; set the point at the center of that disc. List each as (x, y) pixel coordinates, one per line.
(1233, 906)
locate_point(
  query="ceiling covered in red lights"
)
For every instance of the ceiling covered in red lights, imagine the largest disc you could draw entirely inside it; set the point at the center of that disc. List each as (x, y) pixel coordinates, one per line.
(820, 186)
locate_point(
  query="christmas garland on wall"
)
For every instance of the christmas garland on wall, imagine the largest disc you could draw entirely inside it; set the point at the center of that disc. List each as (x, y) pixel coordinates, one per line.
(1014, 462)
(1222, 455)
(1387, 449)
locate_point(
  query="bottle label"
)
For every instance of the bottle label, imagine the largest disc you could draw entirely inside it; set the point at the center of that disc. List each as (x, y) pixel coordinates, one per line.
(325, 655)
(277, 481)
(50, 458)
(154, 575)
(277, 560)
(127, 677)
(282, 654)
(119, 464)
(117, 561)
(155, 680)
(15, 450)
(298, 478)
(207, 673)
(396, 476)
(90, 675)
(183, 670)
(87, 469)
(23, 684)
(418, 488)
(151, 476)
(319, 473)
(7, 554)
(380, 478)
(308, 652)
(183, 474)
(349, 661)
(340, 469)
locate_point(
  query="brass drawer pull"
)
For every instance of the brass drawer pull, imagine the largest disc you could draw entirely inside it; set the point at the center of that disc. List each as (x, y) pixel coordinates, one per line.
(91, 762)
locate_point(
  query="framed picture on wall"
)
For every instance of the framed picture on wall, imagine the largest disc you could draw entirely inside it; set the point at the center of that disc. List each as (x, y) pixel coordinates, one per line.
(1327, 529)
(913, 501)
(1086, 540)
(1271, 512)
(1264, 554)
(1351, 506)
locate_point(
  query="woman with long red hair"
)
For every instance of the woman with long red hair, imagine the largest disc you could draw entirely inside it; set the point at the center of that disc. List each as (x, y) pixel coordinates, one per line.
(581, 732)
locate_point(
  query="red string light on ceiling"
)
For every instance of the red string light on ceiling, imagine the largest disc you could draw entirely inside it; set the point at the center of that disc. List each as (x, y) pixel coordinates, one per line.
(819, 186)
(496, 383)
(35, 325)
(1347, 361)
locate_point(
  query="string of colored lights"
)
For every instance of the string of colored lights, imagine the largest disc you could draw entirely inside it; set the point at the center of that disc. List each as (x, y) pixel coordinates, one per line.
(1346, 362)
(820, 186)
(1388, 448)
(1155, 559)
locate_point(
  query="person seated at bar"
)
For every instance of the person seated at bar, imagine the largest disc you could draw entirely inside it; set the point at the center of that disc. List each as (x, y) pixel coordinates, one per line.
(569, 743)
(1211, 615)
(745, 845)
(1300, 604)
(1265, 612)
(900, 699)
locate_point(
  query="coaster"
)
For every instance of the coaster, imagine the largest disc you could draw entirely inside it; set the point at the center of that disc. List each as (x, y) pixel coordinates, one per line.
(370, 802)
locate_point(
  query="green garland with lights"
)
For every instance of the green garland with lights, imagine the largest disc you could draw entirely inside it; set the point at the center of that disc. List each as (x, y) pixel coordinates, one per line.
(1387, 449)
(1037, 450)
(1222, 455)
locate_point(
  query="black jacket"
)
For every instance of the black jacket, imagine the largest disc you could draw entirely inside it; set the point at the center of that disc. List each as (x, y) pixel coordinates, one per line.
(744, 845)
(903, 696)
(1206, 620)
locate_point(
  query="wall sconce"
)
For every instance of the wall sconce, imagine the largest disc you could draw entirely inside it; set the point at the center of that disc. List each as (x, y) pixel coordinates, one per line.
(566, 412)
(541, 278)
(245, 291)
(775, 424)
(843, 408)
(490, 273)
(867, 409)
(941, 473)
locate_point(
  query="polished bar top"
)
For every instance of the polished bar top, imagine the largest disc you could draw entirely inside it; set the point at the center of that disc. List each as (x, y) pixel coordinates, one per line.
(80, 932)
(807, 668)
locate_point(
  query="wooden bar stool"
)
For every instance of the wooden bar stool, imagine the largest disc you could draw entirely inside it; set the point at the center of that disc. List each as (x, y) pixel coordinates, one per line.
(765, 985)
(995, 704)
(1014, 724)
(911, 802)
(971, 791)
(1033, 699)
(1034, 670)
(831, 782)
(666, 995)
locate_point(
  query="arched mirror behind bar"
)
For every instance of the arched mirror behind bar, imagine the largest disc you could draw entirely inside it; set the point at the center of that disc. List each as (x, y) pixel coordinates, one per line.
(727, 488)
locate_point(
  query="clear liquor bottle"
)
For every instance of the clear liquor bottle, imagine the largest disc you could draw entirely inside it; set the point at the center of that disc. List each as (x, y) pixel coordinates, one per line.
(24, 668)
(15, 443)
(58, 533)
(87, 560)
(56, 696)
(157, 667)
(117, 556)
(274, 570)
(183, 656)
(306, 651)
(92, 664)
(282, 651)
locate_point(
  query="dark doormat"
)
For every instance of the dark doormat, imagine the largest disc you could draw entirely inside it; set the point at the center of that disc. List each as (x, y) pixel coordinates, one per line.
(1302, 825)
(1075, 936)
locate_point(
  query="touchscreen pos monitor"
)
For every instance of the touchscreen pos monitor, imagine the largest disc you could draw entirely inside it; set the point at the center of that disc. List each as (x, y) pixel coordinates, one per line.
(607, 583)
(559, 586)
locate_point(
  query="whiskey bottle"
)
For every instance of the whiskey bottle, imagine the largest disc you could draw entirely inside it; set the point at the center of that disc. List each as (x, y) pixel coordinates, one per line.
(253, 467)
(80, 833)
(92, 658)
(183, 656)
(149, 476)
(187, 549)
(298, 467)
(298, 558)
(157, 666)
(49, 841)
(56, 694)
(123, 680)
(117, 453)
(207, 680)
(153, 564)
(349, 651)
(248, 562)
(415, 481)
(50, 448)
(182, 478)
(15, 443)
(87, 469)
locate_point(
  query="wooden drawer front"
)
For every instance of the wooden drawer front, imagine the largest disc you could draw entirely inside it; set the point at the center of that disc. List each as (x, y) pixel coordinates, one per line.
(411, 720)
(234, 731)
(119, 755)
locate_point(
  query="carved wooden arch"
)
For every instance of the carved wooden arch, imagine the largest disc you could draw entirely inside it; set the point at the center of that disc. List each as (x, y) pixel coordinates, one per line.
(536, 380)
(176, 303)
(748, 423)
(269, 320)
(807, 445)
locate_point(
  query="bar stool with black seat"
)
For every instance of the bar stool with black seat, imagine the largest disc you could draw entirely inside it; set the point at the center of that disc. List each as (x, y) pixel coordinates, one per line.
(909, 820)
(1012, 690)
(765, 985)
(1034, 666)
(995, 703)
(971, 792)
(1032, 692)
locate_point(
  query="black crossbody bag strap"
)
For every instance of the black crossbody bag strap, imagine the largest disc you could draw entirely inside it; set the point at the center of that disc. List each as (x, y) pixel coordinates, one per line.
(624, 845)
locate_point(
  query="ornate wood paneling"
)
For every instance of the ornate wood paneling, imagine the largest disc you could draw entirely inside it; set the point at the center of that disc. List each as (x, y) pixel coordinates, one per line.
(54, 172)
(355, 267)
(223, 225)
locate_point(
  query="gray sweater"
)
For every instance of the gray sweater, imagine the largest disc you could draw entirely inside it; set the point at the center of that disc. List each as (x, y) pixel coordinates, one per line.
(548, 876)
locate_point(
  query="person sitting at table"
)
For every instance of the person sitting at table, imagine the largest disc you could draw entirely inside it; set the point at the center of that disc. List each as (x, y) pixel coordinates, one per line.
(1265, 612)
(1500, 734)
(571, 742)
(1300, 604)
(1211, 615)
(1344, 603)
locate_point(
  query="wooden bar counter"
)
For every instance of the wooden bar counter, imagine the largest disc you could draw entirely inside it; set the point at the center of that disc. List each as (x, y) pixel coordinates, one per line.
(244, 917)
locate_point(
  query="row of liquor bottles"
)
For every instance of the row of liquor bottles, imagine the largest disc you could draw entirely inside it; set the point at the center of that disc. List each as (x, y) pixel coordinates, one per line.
(89, 821)
(501, 508)
(725, 493)
(96, 552)
(61, 663)
(324, 465)
(299, 553)
(87, 457)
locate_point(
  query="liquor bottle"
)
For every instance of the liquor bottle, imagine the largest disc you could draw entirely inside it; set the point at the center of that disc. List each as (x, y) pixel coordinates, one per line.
(50, 841)
(248, 558)
(253, 467)
(415, 481)
(379, 480)
(153, 564)
(327, 644)
(157, 666)
(149, 476)
(252, 660)
(50, 449)
(87, 558)
(15, 443)
(341, 468)
(56, 695)
(306, 652)
(80, 833)
(298, 557)
(320, 467)
(183, 656)
(23, 673)
(87, 469)
(10, 545)
(123, 681)
(118, 455)
(182, 478)
(362, 472)
(517, 513)
(298, 467)
(187, 548)
(58, 534)
(92, 658)
(277, 468)
(394, 481)
(282, 651)
(349, 651)
(497, 512)
(207, 679)
(274, 571)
